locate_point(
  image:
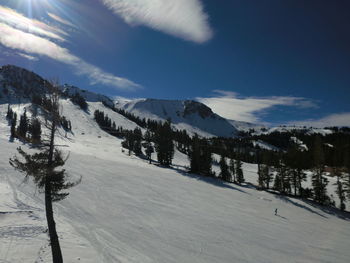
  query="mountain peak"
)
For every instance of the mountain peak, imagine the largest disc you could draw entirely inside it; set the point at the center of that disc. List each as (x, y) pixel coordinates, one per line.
(19, 82)
(190, 115)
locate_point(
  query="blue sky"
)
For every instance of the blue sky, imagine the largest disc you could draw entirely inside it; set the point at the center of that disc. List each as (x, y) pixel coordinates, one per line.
(273, 62)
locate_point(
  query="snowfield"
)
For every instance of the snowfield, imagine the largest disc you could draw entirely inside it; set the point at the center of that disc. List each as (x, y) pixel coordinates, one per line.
(192, 116)
(126, 210)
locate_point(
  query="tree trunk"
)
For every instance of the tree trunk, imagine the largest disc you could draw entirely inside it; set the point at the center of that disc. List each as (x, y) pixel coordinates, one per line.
(55, 245)
(295, 182)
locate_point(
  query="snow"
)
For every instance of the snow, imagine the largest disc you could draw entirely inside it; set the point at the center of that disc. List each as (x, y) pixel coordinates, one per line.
(289, 129)
(88, 95)
(126, 210)
(246, 126)
(300, 143)
(160, 110)
(265, 145)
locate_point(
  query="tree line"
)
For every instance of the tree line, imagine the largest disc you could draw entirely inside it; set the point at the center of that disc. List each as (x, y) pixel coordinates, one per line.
(282, 171)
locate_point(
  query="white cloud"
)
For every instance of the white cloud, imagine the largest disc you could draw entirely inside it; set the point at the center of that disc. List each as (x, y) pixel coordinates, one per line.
(18, 21)
(29, 57)
(336, 119)
(231, 106)
(181, 18)
(12, 36)
(61, 20)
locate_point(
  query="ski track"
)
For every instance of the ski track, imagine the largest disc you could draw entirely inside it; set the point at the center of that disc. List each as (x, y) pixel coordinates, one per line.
(126, 210)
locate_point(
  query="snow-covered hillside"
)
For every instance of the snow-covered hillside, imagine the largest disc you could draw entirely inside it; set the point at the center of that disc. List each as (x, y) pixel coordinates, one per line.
(294, 129)
(126, 210)
(189, 115)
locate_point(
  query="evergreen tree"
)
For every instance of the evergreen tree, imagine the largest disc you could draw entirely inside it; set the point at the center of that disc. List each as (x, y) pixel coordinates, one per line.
(43, 167)
(9, 113)
(347, 176)
(35, 130)
(80, 101)
(137, 148)
(148, 145)
(282, 179)
(23, 126)
(239, 172)
(164, 143)
(268, 176)
(319, 182)
(149, 151)
(128, 142)
(232, 169)
(13, 126)
(224, 172)
(200, 156)
(205, 158)
(261, 171)
(277, 183)
(297, 161)
(194, 155)
(340, 191)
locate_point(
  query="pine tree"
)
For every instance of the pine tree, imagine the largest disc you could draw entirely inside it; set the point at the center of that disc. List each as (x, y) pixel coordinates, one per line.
(80, 101)
(164, 143)
(347, 176)
(319, 182)
(340, 191)
(282, 179)
(277, 183)
(148, 145)
(23, 126)
(200, 156)
(43, 168)
(268, 176)
(9, 113)
(35, 130)
(239, 172)
(261, 171)
(137, 149)
(194, 155)
(205, 158)
(232, 169)
(128, 142)
(296, 160)
(13, 126)
(224, 172)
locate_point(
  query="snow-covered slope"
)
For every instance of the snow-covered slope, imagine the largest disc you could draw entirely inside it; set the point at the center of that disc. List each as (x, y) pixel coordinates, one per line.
(246, 126)
(126, 210)
(88, 95)
(189, 115)
(294, 129)
(18, 83)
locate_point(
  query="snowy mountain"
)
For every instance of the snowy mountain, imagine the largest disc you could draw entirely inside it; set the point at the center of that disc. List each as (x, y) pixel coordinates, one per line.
(127, 210)
(88, 95)
(246, 126)
(19, 83)
(293, 130)
(189, 115)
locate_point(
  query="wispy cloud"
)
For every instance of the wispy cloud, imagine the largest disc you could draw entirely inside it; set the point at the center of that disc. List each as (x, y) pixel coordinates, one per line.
(29, 57)
(19, 21)
(336, 119)
(61, 20)
(12, 36)
(181, 18)
(231, 106)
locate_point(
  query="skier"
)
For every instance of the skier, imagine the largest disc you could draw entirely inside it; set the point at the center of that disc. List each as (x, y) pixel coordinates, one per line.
(276, 212)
